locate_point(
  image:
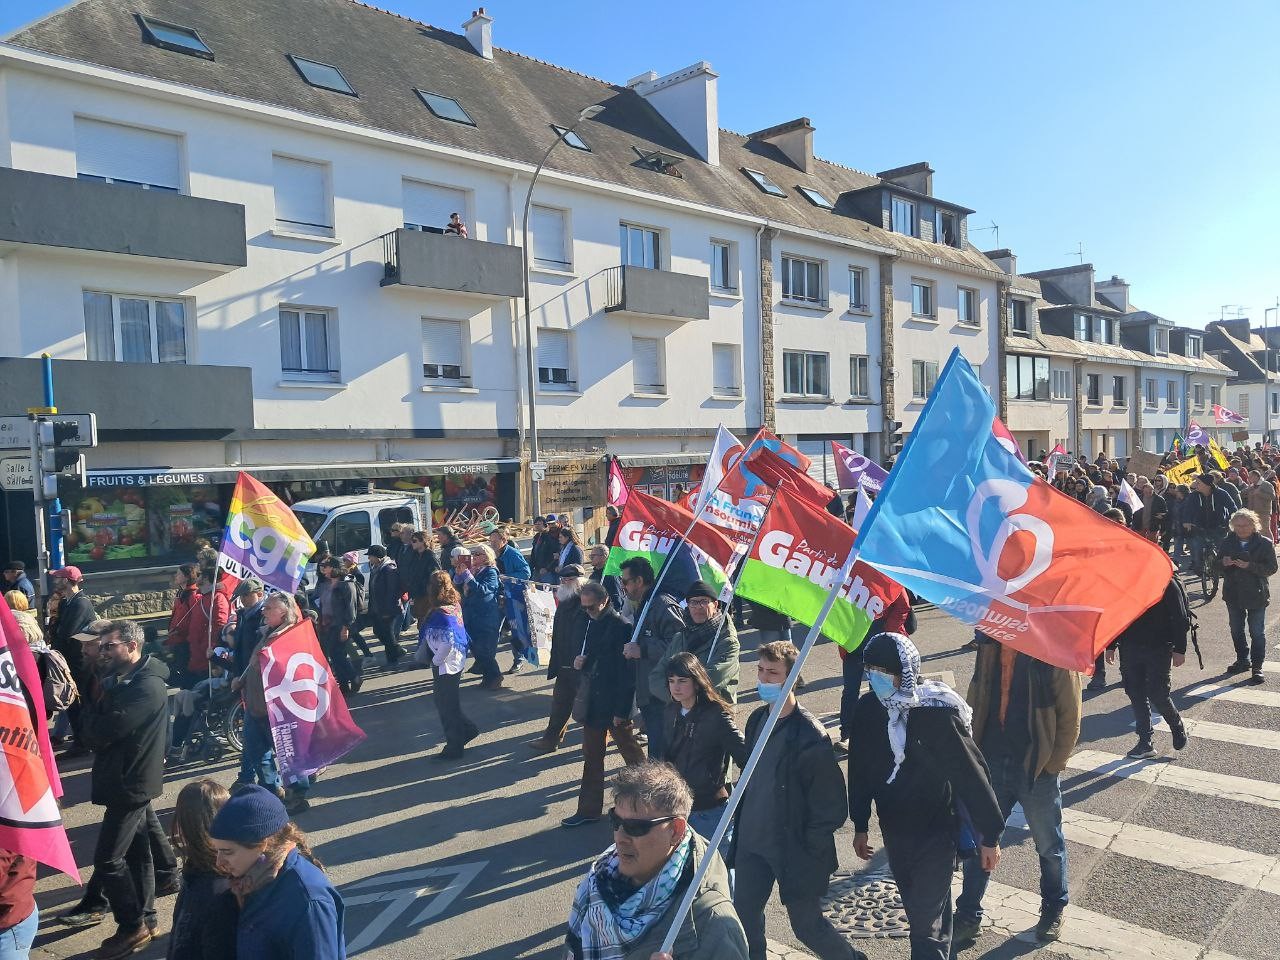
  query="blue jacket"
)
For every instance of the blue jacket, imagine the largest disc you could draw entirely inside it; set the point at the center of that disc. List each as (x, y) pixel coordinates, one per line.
(248, 633)
(480, 610)
(298, 916)
(23, 583)
(513, 564)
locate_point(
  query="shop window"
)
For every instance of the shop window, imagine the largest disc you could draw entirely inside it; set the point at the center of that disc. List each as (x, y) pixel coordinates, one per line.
(123, 527)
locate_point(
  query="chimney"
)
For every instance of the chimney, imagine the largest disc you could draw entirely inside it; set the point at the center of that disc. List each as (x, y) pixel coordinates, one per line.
(480, 33)
(1004, 259)
(914, 176)
(794, 139)
(687, 100)
(1116, 290)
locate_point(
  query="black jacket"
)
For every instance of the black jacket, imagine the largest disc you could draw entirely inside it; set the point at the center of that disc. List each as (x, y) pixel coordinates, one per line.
(613, 679)
(662, 622)
(384, 590)
(204, 919)
(942, 763)
(1247, 589)
(74, 614)
(126, 729)
(1164, 626)
(811, 802)
(338, 609)
(568, 628)
(544, 553)
(612, 586)
(248, 633)
(1208, 513)
(415, 570)
(700, 745)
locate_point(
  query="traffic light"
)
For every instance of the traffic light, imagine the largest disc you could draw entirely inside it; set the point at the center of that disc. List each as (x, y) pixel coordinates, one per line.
(57, 457)
(896, 439)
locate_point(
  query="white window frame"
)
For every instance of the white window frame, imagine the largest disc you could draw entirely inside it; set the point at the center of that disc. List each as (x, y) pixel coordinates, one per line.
(1151, 392)
(912, 212)
(859, 369)
(721, 391)
(924, 376)
(1025, 329)
(1195, 347)
(807, 298)
(1215, 394)
(566, 240)
(1093, 398)
(730, 279)
(931, 294)
(938, 214)
(975, 319)
(650, 389)
(180, 141)
(547, 379)
(1160, 336)
(1197, 396)
(117, 336)
(333, 374)
(1242, 406)
(1061, 380)
(439, 379)
(806, 385)
(859, 277)
(464, 211)
(294, 227)
(1119, 392)
(1172, 400)
(659, 244)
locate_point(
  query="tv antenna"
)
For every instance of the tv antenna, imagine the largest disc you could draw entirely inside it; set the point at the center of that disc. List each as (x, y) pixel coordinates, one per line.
(994, 227)
(1078, 252)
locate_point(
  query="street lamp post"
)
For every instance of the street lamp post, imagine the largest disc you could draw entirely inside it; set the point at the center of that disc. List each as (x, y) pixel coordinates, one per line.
(1266, 357)
(536, 498)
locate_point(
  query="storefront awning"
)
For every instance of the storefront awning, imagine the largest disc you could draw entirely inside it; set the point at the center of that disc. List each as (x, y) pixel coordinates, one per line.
(173, 476)
(661, 459)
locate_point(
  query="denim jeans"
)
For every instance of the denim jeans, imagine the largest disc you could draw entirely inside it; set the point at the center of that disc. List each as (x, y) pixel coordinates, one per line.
(15, 941)
(704, 823)
(1255, 651)
(1041, 803)
(257, 759)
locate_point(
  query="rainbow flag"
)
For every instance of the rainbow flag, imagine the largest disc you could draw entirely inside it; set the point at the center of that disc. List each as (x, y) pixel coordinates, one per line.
(263, 538)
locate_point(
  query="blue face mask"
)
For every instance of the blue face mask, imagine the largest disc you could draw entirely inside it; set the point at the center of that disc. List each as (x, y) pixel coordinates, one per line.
(769, 692)
(881, 685)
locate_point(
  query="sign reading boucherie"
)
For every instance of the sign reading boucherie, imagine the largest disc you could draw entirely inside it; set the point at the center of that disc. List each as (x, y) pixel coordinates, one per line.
(573, 484)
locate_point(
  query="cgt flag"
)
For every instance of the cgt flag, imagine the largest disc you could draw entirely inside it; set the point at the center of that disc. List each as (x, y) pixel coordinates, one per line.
(965, 524)
(263, 538)
(651, 526)
(310, 724)
(795, 562)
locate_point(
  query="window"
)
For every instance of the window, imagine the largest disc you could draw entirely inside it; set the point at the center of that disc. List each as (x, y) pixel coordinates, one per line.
(1082, 327)
(1019, 316)
(134, 329)
(1275, 403)
(427, 206)
(805, 374)
(1027, 378)
(170, 36)
(302, 196)
(967, 306)
(116, 153)
(802, 280)
(1171, 394)
(641, 247)
(857, 288)
(1160, 341)
(763, 182)
(308, 345)
(924, 374)
(550, 241)
(646, 366)
(944, 228)
(814, 197)
(1094, 393)
(349, 531)
(726, 378)
(1106, 328)
(1215, 394)
(553, 360)
(443, 352)
(724, 268)
(860, 377)
(921, 298)
(1061, 384)
(1151, 393)
(446, 108)
(1118, 392)
(570, 137)
(322, 75)
(1197, 395)
(1194, 347)
(904, 217)
(1242, 407)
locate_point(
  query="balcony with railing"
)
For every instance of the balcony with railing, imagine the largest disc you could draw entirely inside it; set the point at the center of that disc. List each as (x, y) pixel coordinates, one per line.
(437, 261)
(663, 294)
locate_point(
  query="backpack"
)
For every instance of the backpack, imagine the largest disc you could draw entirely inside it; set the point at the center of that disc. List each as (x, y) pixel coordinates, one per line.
(1181, 617)
(58, 685)
(362, 596)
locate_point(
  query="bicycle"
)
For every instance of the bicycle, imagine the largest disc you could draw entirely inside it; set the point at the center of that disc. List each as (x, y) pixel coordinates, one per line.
(1207, 570)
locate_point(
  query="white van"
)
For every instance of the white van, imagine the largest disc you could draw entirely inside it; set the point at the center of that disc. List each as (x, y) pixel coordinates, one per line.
(353, 523)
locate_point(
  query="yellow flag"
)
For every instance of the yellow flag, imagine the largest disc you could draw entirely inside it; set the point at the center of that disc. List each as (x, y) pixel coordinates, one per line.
(1218, 454)
(1184, 472)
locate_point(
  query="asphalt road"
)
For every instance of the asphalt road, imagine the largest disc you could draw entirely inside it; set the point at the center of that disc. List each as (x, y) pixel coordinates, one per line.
(468, 860)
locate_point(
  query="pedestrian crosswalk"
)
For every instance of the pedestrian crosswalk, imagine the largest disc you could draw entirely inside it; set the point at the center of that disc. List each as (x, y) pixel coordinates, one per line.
(1169, 773)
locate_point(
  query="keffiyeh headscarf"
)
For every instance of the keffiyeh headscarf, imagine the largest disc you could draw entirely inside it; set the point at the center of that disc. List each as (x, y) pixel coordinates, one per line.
(609, 914)
(912, 692)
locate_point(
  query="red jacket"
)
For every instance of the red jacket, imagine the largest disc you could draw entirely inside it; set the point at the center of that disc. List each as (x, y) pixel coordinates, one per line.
(17, 888)
(180, 619)
(200, 639)
(893, 620)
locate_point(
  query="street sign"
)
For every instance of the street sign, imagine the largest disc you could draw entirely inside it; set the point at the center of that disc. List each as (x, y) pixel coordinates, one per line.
(15, 473)
(15, 432)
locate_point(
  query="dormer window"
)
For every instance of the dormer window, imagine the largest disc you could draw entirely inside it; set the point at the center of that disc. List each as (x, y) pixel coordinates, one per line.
(1019, 317)
(1091, 329)
(904, 217)
(1160, 341)
(946, 228)
(1195, 347)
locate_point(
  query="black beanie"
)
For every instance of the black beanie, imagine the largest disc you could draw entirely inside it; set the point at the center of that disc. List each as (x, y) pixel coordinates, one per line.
(882, 651)
(700, 588)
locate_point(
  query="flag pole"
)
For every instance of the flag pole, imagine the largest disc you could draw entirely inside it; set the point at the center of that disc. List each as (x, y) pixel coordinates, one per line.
(737, 573)
(735, 795)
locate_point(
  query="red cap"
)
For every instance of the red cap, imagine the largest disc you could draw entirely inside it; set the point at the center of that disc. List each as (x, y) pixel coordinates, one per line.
(68, 573)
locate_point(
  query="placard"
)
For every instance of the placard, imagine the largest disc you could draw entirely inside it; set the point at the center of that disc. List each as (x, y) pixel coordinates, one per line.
(1143, 463)
(541, 605)
(573, 484)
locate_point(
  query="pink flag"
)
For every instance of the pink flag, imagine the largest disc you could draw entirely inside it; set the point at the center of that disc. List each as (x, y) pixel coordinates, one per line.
(1222, 416)
(618, 489)
(310, 723)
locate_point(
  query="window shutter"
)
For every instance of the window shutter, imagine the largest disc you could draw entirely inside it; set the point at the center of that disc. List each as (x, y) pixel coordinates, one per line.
(442, 342)
(553, 348)
(301, 194)
(646, 365)
(724, 368)
(119, 152)
(547, 227)
(428, 205)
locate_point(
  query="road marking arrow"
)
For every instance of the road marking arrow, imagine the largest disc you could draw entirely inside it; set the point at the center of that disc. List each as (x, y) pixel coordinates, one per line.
(399, 899)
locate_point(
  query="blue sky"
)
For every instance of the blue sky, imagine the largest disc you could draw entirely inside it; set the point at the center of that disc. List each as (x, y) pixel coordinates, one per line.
(1146, 131)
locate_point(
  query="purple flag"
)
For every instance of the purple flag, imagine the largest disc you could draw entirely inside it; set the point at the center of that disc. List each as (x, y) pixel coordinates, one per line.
(854, 467)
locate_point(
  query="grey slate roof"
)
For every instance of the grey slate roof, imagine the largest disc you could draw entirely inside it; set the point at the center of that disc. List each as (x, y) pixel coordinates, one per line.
(513, 99)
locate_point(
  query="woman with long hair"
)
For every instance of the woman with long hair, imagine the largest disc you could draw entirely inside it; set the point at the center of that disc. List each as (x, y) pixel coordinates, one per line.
(288, 908)
(570, 551)
(442, 642)
(203, 915)
(701, 739)
(186, 593)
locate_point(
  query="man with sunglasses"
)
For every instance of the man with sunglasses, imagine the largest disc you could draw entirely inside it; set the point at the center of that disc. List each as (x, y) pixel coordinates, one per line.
(624, 907)
(127, 728)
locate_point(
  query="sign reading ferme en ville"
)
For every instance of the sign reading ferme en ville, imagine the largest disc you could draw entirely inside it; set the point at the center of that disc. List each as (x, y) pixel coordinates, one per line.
(573, 485)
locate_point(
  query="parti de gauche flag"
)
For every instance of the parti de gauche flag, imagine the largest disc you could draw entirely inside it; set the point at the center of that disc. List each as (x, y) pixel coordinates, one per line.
(964, 523)
(651, 528)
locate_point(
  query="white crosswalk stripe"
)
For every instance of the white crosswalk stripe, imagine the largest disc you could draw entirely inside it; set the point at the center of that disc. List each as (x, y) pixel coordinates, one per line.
(1235, 692)
(1228, 733)
(1171, 774)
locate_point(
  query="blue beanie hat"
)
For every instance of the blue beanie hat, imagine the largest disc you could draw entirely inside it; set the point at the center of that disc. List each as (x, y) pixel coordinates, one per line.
(250, 816)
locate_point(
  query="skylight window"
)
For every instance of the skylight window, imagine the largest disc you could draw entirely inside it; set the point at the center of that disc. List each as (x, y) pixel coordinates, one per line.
(170, 36)
(322, 75)
(814, 197)
(571, 138)
(763, 182)
(446, 108)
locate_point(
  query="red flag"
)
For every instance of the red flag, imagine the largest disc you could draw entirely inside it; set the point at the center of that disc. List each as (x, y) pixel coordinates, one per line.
(310, 723)
(30, 822)
(774, 470)
(618, 488)
(650, 527)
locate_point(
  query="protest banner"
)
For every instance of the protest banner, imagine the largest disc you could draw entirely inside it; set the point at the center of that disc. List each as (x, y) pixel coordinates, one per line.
(653, 528)
(541, 608)
(854, 470)
(1184, 472)
(1144, 464)
(263, 538)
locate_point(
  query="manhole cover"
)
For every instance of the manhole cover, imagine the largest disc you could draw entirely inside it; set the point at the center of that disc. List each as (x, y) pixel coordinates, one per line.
(865, 906)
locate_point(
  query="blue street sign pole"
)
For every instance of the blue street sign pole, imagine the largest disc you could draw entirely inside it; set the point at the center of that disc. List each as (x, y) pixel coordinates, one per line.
(56, 533)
